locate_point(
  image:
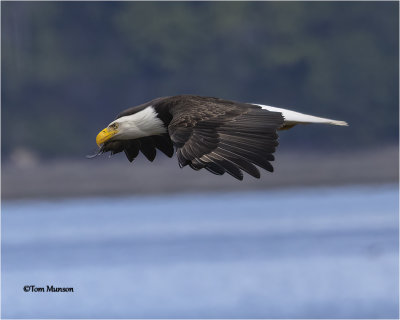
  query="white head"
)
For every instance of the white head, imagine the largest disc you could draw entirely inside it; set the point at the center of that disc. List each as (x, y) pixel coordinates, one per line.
(137, 125)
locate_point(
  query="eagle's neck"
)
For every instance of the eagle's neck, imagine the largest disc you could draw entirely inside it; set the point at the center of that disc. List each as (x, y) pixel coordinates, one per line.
(141, 124)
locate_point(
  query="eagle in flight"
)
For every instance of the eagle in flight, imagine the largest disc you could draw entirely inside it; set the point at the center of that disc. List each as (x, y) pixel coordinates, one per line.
(211, 133)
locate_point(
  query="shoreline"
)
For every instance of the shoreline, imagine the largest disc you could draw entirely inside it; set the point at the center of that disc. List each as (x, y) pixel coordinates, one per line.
(117, 177)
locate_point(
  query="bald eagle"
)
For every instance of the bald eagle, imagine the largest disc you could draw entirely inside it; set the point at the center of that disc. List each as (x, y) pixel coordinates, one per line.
(211, 133)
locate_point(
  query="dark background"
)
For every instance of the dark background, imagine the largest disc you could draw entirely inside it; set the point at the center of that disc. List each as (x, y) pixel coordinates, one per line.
(68, 68)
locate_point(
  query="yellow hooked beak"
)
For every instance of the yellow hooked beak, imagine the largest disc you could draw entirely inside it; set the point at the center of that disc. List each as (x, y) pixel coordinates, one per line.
(105, 135)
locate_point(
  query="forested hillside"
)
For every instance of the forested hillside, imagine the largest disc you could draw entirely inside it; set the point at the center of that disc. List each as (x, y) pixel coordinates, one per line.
(68, 68)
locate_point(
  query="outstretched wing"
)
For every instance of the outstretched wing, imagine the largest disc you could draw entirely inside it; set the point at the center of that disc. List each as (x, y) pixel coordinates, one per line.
(223, 136)
(146, 145)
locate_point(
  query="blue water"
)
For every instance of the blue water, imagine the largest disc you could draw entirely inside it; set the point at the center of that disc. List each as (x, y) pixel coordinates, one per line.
(307, 253)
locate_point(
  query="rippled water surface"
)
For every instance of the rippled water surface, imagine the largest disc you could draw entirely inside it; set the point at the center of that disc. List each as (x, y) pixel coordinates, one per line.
(313, 253)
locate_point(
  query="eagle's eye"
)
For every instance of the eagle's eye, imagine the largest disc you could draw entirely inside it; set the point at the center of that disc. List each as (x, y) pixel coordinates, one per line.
(114, 126)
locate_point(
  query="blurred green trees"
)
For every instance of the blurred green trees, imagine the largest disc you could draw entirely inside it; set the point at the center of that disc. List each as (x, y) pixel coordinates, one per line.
(69, 67)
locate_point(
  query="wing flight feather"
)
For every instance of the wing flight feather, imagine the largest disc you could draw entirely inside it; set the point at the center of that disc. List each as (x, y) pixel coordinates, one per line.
(223, 136)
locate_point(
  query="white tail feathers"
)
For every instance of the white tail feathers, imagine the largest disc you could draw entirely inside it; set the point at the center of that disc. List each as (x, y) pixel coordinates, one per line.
(293, 117)
(338, 123)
